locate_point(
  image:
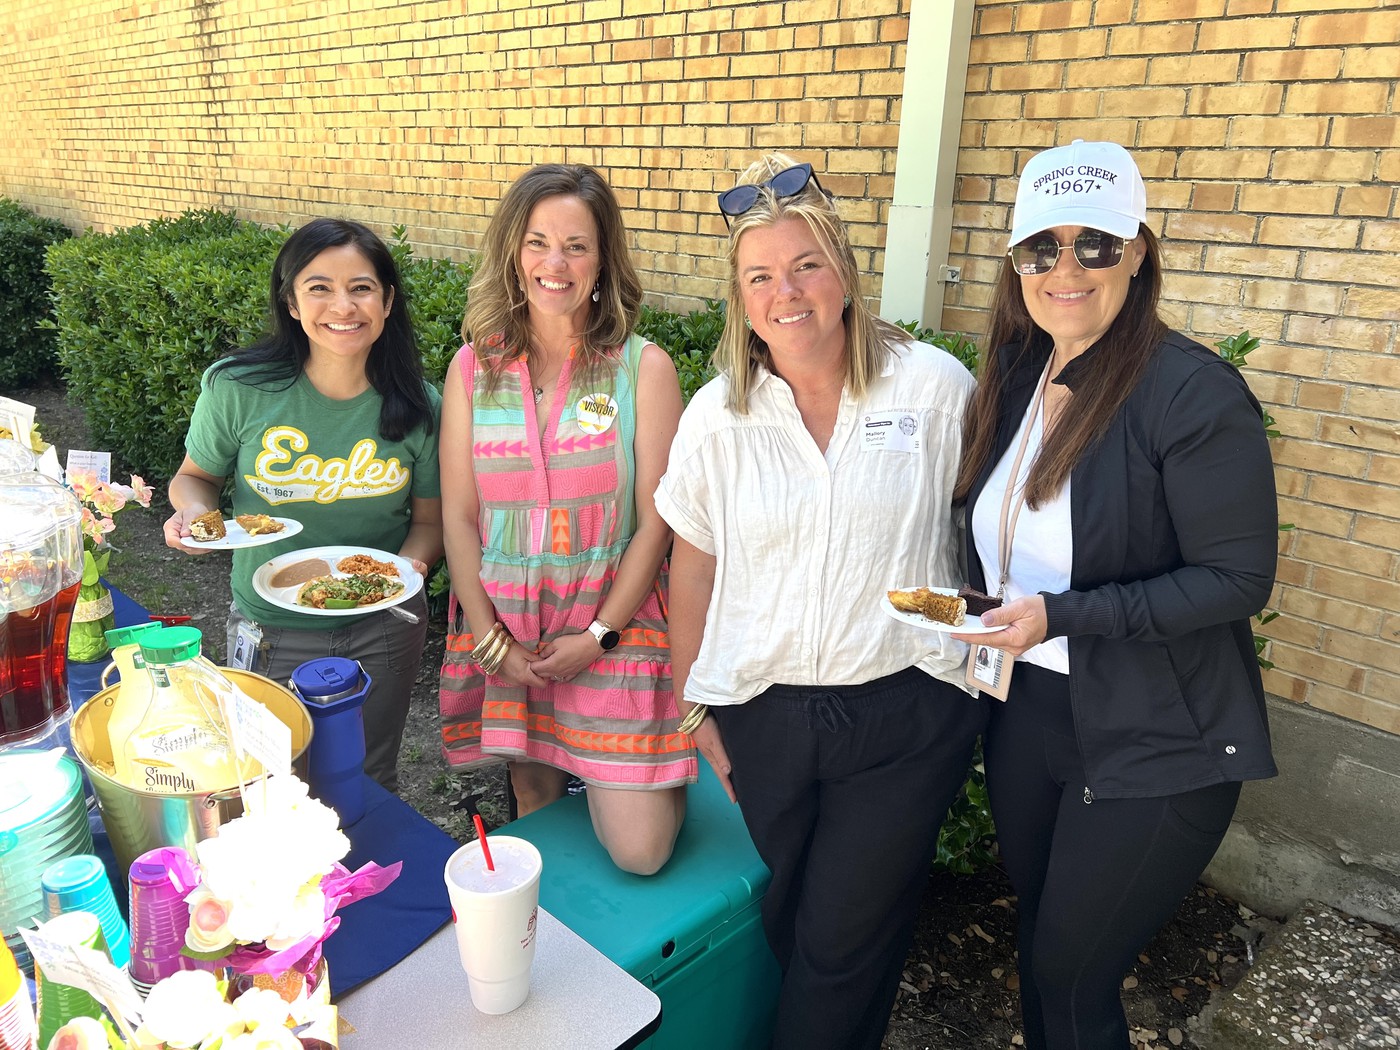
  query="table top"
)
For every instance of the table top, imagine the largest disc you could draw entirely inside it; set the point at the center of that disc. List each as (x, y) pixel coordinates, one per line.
(579, 1000)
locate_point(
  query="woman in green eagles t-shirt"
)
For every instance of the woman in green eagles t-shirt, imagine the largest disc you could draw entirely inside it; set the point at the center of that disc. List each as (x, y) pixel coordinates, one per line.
(327, 420)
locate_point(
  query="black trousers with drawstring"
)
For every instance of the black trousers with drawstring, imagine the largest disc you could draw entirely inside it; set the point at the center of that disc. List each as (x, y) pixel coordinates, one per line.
(843, 790)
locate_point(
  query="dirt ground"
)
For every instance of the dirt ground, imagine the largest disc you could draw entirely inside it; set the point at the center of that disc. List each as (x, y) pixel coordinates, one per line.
(959, 988)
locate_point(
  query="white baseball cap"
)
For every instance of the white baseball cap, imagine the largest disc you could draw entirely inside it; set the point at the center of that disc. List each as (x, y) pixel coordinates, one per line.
(1093, 184)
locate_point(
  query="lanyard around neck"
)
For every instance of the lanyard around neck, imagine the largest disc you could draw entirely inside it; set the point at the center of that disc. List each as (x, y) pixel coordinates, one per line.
(1014, 498)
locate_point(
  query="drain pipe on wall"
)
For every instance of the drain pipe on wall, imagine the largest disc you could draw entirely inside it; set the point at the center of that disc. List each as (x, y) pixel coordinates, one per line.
(920, 227)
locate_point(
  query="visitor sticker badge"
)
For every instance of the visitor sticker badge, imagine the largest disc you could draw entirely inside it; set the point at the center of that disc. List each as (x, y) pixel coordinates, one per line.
(596, 413)
(891, 431)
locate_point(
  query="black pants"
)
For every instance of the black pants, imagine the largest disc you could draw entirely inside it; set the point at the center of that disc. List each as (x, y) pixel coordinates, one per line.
(1095, 880)
(843, 790)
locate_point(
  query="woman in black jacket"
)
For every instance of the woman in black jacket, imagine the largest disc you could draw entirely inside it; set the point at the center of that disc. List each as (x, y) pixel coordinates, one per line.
(1120, 500)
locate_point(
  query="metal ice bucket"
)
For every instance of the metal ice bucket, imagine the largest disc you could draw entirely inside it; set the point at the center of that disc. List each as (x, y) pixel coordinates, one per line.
(137, 820)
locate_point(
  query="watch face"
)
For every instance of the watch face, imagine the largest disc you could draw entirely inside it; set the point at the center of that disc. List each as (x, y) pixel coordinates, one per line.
(609, 640)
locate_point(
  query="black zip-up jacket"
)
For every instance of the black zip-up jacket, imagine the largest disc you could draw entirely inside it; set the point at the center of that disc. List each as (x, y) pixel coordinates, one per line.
(1174, 520)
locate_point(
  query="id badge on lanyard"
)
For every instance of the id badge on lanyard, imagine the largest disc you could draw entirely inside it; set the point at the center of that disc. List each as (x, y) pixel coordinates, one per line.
(989, 668)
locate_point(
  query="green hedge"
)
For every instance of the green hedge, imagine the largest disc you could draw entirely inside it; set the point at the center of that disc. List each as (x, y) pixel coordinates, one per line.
(142, 312)
(26, 346)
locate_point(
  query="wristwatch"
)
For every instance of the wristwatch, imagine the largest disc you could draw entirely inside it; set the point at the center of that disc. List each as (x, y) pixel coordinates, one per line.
(605, 633)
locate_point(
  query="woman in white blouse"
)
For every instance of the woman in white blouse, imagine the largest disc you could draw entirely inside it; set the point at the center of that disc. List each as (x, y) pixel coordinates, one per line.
(815, 473)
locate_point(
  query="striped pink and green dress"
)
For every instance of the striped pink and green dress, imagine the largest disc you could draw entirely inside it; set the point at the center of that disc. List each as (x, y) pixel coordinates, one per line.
(555, 517)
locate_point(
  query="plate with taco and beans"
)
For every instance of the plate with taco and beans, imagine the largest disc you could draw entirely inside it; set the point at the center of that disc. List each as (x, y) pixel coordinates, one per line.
(337, 581)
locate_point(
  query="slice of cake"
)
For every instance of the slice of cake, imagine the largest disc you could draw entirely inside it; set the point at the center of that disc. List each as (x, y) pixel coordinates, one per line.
(977, 602)
(256, 524)
(941, 608)
(208, 527)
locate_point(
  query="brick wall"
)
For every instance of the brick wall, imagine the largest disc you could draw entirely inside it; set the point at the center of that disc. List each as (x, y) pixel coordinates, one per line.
(1269, 136)
(1267, 130)
(420, 114)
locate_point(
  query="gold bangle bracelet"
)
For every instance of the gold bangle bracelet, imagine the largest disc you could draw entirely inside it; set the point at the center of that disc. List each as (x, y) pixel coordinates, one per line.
(693, 718)
(491, 662)
(486, 643)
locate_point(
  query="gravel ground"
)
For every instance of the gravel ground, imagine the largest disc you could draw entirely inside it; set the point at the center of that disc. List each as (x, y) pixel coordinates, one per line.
(959, 988)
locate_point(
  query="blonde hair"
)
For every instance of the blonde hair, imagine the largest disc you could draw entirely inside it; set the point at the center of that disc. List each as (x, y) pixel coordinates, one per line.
(497, 318)
(869, 339)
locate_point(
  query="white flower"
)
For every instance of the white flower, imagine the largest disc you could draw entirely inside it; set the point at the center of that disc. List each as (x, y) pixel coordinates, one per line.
(184, 1009)
(81, 1033)
(209, 922)
(262, 1006)
(264, 1037)
(265, 867)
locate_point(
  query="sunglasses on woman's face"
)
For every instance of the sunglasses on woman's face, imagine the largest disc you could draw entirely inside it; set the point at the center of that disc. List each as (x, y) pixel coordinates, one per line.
(1094, 249)
(788, 183)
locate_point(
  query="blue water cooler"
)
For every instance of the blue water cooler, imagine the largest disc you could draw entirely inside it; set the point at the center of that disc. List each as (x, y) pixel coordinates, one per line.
(334, 690)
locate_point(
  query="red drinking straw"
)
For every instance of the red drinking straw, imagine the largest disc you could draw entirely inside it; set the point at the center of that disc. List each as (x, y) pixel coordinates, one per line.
(481, 837)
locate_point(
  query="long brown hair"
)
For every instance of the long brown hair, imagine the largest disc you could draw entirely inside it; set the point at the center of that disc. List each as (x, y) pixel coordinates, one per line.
(869, 339)
(498, 314)
(1120, 357)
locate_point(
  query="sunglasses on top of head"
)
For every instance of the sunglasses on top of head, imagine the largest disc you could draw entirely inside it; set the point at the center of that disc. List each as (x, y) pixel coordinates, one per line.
(1094, 250)
(787, 183)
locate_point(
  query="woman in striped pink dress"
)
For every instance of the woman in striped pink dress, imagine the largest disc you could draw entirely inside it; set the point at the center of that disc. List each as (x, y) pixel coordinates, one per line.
(556, 424)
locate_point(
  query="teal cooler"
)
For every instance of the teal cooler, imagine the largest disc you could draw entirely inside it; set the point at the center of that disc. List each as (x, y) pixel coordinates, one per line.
(692, 933)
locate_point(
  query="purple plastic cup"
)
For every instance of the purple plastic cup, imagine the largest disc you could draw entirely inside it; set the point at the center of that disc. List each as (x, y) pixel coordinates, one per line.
(160, 879)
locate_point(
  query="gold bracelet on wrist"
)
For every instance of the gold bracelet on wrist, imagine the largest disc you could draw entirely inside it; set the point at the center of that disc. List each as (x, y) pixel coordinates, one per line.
(693, 718)
(487, 641)
(492, 661)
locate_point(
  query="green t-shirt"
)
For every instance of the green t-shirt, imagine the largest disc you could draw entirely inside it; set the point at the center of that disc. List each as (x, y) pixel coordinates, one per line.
(295, 453)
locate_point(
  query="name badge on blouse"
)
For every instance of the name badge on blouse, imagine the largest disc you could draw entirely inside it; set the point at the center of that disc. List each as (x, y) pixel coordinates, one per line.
(891, 432)
(596, 413)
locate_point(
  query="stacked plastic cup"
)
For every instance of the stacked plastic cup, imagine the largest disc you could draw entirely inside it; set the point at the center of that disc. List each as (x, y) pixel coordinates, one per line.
(60, 1003)
(17, 1027)
(160, 879)
(80, 884)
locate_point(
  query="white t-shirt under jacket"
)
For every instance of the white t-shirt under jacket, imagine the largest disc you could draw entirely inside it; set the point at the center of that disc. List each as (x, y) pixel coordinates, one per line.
(806, 545)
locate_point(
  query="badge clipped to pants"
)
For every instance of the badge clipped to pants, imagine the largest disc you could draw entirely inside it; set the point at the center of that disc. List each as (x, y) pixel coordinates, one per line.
(989, 670)
(247, 643)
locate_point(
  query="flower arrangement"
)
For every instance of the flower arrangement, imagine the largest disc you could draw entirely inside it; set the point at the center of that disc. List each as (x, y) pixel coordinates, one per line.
(189, 1011)
(271, 881)
(101, 502)
(266, 889)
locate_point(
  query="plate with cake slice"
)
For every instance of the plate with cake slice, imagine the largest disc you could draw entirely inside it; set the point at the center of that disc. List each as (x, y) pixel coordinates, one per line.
(946, 609)
(211, 532)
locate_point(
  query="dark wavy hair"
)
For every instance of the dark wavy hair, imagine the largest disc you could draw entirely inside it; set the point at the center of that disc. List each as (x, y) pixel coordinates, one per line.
(1123, 352)
(394, 368)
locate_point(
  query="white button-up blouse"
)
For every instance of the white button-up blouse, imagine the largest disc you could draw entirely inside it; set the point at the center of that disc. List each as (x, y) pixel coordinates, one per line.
(806, 545)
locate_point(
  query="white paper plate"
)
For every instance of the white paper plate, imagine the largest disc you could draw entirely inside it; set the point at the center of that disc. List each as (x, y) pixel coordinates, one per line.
(236, 537)
(286, 597)
(971, 625)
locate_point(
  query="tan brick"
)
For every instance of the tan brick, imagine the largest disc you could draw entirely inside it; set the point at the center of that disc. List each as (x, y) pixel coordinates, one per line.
(1374, 404)
(1239, 229)
(1079, 46)
(1337, 97)
(1385, 470)
(1317, 667)
(1042, 76)
(1331, 611)
(993, 20)
(1208, 323)
(1153, 39)
(1193, 69)
(1214, 196)
(1351, 267)
(1278, 131)
(1328, 396)
(1365, 131)
(998, 50)
(1380, 236)
(1252, 261)
(993, 107)
(1145, 102)
(1185, 132)
(1108, 72)
(1316, 233)
(1337, 332)
(1253, 99)
(1381, 27)
(1354, 495)
(1289, 199)
(1223, 163)
(1374, 369)
(1323, 165)
(1381, 304)
(1344, 554)
(1330, 521)
(1382, 532)
(1366, 200)
(1292, 65)
(1053, 14)
(1364, 63)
